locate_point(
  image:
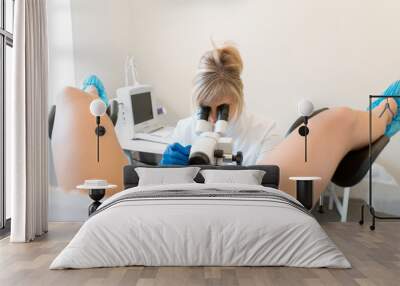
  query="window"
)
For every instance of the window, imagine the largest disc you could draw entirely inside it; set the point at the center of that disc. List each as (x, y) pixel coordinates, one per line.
(6, 44)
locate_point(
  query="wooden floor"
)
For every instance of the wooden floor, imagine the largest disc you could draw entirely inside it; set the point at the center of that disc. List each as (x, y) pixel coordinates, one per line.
(375, 257)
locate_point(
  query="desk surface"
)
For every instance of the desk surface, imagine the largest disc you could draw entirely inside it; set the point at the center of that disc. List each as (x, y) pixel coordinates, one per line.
(143, 146)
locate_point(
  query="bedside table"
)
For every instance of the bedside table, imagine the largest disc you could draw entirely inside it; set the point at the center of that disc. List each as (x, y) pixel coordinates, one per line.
(96, 193)
(304, 190)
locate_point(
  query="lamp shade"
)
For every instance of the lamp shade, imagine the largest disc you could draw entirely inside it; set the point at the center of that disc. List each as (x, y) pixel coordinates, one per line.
(305, 107)
(98, 107)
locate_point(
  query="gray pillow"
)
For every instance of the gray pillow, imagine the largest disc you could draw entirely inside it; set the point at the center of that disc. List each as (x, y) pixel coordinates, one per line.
(166, 176)
(248, 177)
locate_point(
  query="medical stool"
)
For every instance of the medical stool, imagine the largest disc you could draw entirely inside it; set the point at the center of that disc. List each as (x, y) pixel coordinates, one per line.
(350, 171)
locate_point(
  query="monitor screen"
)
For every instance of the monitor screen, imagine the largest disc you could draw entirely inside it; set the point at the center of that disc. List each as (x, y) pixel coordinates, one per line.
(142, 107)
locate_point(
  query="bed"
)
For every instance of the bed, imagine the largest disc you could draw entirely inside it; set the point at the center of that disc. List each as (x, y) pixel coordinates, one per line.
(201, 224)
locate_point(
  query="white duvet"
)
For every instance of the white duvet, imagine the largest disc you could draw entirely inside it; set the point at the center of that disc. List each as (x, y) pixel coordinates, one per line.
(200, 231)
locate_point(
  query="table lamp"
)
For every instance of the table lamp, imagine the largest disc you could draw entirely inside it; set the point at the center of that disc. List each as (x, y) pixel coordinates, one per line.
(98, 108)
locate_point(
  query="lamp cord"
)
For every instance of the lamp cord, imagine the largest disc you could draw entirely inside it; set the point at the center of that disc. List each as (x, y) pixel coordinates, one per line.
(305, 147)
(98, 137)
(305, 137)
(98, 143)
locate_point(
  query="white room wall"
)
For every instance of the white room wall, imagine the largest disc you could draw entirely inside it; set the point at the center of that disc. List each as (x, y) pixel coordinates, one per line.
(102, 40)
(61, 49)
(62, 206)
(332, 52)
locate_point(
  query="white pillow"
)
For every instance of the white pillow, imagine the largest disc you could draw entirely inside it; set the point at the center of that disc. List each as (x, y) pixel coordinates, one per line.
(248, 177)
(165, 176)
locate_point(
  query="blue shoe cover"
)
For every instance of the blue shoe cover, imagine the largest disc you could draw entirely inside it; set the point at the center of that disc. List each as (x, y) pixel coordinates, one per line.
(93, 80)
(394, 126)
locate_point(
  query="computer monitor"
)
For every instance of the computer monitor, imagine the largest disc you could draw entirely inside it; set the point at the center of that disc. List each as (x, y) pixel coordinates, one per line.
(137, 111)
(142, 107)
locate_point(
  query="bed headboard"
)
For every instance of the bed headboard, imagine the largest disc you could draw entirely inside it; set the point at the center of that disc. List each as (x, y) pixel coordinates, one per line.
(270, 179)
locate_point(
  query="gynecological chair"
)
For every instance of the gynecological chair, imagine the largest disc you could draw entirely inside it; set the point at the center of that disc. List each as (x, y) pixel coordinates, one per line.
(350, 171)
(73, 142)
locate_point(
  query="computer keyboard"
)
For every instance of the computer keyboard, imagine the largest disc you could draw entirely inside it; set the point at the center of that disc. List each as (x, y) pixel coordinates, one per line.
(162, 135)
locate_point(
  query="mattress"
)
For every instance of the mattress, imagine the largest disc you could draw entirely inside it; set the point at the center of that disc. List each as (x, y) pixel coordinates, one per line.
(201, 225)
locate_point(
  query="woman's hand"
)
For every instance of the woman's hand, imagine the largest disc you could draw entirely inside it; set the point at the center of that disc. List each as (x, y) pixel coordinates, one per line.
(176, 154)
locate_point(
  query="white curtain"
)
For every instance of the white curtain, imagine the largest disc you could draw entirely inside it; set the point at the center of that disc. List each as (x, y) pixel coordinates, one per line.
(27, 123)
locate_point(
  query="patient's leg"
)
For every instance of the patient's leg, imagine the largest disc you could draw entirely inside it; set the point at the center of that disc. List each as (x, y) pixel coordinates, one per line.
(333, 133)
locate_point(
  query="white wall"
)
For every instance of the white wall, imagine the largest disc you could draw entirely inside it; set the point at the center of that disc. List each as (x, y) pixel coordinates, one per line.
(102, 40)
(61, 50)
(333, 52)
(61, 74)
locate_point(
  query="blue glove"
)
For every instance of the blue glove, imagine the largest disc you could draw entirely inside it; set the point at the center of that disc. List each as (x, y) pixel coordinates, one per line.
(394, 126)
(93, 80)
(176, 154)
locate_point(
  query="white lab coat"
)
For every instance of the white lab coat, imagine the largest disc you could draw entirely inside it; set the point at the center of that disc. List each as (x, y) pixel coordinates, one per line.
(254, 135)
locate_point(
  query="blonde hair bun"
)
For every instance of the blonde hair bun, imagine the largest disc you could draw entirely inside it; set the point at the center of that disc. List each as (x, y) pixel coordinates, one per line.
(227, 59)
(218, 75)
